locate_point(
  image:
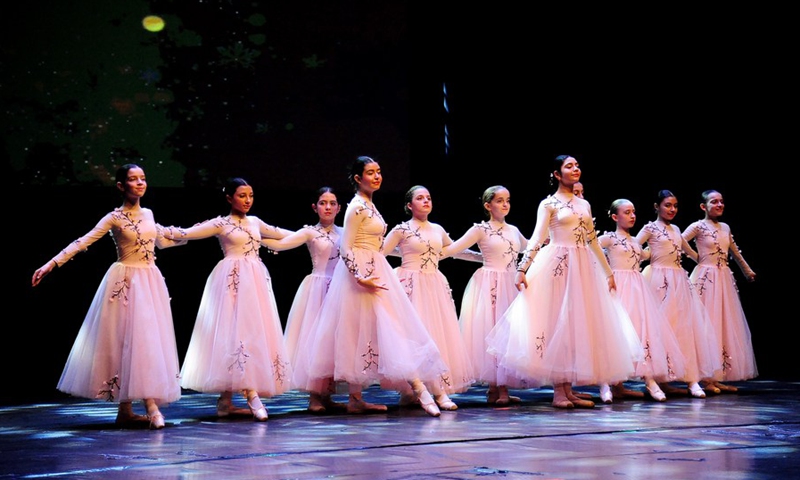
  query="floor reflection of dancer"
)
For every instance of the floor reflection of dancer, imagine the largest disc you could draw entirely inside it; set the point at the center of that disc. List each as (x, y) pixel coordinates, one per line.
(237, 341)
(367, 331)
(490, 290)
(420, 243)
(322, 240)
(125, 349)
(714, 283)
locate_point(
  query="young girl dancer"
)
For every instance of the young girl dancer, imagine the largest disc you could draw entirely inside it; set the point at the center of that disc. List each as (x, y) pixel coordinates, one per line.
(490, 290)
(237, 341)
(715, 285)
(663, 360)
(683, 308)
(126, 348)
(420, 242)
(322, 240)
(565, 328)
(367, 331)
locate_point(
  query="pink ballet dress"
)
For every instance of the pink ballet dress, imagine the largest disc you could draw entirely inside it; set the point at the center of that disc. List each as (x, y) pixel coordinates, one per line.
(237, 341)
(324, 250)
(366, 337)
(429, 292)
(715, 284)
(125, 349)
(489, 291)
(679, 301)
(663, 360)
(566, 327)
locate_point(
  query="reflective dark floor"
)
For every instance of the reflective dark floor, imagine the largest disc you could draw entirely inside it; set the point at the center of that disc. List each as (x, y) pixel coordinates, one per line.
(752, 434)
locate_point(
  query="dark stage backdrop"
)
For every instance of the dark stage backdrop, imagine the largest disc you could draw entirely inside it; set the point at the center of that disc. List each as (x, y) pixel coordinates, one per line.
(285, 94)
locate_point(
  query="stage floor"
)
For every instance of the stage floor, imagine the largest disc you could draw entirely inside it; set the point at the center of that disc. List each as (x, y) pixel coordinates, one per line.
(752, 434)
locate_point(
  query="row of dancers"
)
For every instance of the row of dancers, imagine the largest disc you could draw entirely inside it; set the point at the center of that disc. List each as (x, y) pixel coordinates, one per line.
(566, 307)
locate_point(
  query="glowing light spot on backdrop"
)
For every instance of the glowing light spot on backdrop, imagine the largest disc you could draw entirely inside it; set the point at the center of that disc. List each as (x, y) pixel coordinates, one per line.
(153, 23)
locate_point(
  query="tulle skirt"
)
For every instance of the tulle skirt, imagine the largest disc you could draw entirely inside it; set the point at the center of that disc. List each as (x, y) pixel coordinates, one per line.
(366, 337)
(487, 295)
(305, 308)
(125, 349)
(663, 360)
(566, 327)
(716, 288)
(431, 296)
(689, 321)
(237, 341)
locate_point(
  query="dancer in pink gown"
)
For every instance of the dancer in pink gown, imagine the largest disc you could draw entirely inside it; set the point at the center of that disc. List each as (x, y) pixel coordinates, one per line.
(322, 240)
(420, 243)
(490, 290)
(663, 360)
(367, 331)
(565, 328)
(125, 349)
(714, 283)
(237, 341)
(685, 311)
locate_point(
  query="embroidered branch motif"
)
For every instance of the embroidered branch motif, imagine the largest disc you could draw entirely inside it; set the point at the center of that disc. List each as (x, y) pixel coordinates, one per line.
(664, 288)
(727, 361)
(712, 233)
(233, 280)
(623, 243)
(430, 257)
(647, 351)
(107, 392)
(279, 367)
(324, 236)
(661, 234)
(512, 251)
(408, 285)
(239, 358)
(229, 226)
(700, 285)
(493, 294)
(145, 247)
(120, 290)
(540, 344)
(670, 370)
(370, 358)
(561, 266)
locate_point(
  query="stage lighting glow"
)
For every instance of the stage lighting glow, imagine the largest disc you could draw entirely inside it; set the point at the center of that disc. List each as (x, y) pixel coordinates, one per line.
(153, 23)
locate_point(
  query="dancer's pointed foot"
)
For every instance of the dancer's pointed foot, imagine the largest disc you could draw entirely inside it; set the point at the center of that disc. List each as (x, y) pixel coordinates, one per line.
(428, 404)
(605, 393)
(696, 390)
(156, 421)
(357, 405)
(619, 391)
(726, 388)
(710, 387)
(655, 392)
(332, 406)
(257, 408)
(445, 403)
(131, 420)
(226, 408)
(502, 396)
(671, 390)
(492, 394)
(315, 404)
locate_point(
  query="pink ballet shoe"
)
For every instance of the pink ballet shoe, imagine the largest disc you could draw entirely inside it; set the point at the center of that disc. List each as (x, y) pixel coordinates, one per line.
(655, 392)
(444, 402)
(156, 421)
(257, 408)
(696, 390)
(428, 404)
